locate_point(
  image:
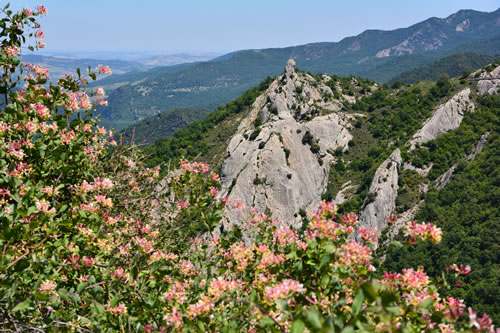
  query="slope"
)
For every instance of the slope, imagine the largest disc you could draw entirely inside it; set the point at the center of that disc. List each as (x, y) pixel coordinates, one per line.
(210, 84)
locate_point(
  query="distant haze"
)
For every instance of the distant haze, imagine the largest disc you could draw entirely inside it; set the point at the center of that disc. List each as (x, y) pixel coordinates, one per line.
(129, 29)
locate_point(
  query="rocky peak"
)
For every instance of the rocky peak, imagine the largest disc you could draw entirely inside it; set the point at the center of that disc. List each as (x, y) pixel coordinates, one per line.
(381, 200)
(488, 80)
(279, 159)
(290, 67)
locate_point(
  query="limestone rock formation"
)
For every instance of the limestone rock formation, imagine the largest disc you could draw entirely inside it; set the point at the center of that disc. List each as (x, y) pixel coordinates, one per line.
(278, 161)
(447, 116)
(385, 189)
(485, 86)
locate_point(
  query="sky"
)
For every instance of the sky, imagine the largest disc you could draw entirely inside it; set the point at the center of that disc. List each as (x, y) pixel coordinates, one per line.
(221, 26)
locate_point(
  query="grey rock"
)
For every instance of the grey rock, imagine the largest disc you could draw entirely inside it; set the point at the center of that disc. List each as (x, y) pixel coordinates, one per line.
(385, 188)
(276, 172)
(485, 86)
(445, 118)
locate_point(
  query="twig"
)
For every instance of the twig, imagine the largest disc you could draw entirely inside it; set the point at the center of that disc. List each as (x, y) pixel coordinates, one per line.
(150, 313)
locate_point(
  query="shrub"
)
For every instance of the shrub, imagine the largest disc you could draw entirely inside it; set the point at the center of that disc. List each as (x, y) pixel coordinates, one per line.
(92, 242)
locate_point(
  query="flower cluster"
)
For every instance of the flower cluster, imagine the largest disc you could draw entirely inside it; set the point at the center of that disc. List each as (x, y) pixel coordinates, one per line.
(423, 231)
(92, 240)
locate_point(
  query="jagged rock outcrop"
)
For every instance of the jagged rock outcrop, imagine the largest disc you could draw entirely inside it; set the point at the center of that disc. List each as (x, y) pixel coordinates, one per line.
(345, 193)
(488, 86)
(447, 116)
(278, 160)
(385, 189)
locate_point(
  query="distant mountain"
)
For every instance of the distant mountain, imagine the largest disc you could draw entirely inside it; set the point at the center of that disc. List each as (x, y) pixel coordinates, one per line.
(428, 151)
(453, 65)
(59, 65)
(371, 54)
(162, 125)
(176, 59)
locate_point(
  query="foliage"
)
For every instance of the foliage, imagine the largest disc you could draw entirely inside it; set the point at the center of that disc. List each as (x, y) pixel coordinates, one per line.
(454, 65)
(161, 126)
(188, 142)
(467, 209)
(447, 149)
(91, 242)
(211, 84)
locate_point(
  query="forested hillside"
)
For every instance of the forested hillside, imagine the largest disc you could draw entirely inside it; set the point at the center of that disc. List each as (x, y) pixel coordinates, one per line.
(374, 54)
(466, 208)
(454, 65)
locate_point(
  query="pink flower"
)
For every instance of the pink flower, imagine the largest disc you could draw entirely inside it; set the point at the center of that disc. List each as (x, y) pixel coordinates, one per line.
(26, 11)
(214, 177)
(412, 279)
(99, 91)
(391, 219)
(118, 273)
(283, 289)
(456, 307)
(213, 191)
(41, 9)
(423, 231)
(104, 69)
(88, 261)
(11, 50)
(74, 259)
(39, 34)
(368, 234)
(48, 286)
(459, 269)
(120, 309)
(182, 204)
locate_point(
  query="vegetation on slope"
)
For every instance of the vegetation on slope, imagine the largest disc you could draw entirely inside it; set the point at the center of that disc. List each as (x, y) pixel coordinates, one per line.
(451, 66)
(207, 137)
(211, 84)
(386, 120)
(162, 125)
(467, 210)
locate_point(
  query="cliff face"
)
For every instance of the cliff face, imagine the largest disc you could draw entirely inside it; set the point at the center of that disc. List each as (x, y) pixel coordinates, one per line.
(384, 188)
(278, 160)
(447, 116)
(486, 85)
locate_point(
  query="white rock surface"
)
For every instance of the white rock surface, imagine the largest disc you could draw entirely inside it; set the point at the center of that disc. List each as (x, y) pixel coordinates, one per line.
(259, 174)
(385, 187)
(345, 193)
(489, 86)
(447, 116)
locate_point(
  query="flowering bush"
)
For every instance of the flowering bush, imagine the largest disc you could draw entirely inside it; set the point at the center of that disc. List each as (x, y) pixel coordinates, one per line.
(91, 240)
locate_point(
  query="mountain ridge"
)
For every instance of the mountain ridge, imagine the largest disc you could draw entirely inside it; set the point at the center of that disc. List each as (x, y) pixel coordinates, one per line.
(210, 84)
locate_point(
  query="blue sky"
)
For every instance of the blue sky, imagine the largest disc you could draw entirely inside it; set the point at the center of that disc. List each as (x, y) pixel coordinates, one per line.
(169, 26)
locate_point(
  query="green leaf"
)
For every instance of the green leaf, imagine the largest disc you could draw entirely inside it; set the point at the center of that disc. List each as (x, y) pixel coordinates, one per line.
(357, 303)
(21, 265)
(369, 291)
(282, 305)
(81, 286)
(298, 326)
(397, 244)
(426, 303)
(78, 72)
(99, 308)
(114, 301)
(266, 321)
(22, 306)
(325, 260)
(41, 296)
(348, 329)
(314, 318)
